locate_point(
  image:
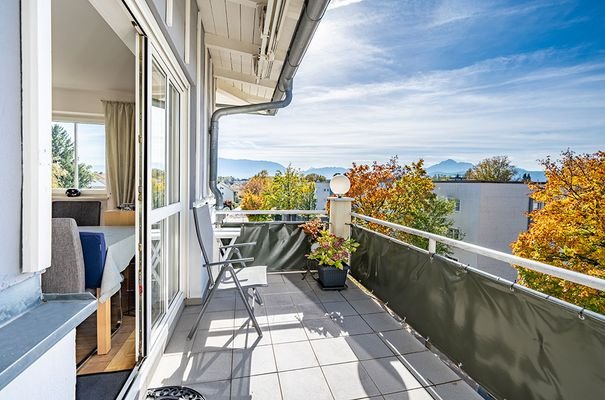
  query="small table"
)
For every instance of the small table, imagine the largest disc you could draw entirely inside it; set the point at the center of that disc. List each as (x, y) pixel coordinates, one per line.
(120, 241)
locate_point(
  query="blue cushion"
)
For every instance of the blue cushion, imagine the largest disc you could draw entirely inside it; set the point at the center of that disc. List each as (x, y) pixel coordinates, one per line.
(95, 250)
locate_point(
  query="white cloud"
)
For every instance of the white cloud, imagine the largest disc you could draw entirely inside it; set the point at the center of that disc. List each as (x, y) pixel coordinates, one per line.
(371, 87)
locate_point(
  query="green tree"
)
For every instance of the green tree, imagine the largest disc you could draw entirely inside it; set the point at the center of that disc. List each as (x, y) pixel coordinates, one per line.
(289, 190)
(315, 178)
(496, 169)
(64, 152)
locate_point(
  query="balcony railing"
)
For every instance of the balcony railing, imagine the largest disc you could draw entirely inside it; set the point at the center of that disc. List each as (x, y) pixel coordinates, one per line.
(515, 342)
(284, 243)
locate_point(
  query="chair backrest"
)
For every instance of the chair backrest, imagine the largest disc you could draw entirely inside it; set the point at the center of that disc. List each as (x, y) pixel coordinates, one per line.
(85, 213)
(204, 231)
(66, 273)
(95, 250)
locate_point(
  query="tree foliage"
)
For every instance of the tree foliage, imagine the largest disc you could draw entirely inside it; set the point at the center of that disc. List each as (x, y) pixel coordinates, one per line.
(288, 190)
(63, 168)
(402, 194)
(313, 177)
(497, 169)
(253, 194)
(569, 231)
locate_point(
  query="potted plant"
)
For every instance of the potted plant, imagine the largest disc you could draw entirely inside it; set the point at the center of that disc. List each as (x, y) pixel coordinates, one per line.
(332, 253)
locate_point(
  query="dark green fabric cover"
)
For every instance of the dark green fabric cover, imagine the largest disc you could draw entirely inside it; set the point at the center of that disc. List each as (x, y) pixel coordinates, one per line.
(514, 343)
(280, 246)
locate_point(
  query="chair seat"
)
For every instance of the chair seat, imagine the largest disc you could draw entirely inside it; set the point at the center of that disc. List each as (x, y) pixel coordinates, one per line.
(255, 276)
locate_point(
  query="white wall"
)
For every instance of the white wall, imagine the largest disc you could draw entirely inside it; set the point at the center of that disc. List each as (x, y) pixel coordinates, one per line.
(491, 215)
(52, 376)
(322, 192)
(70, 101)
(10, 137)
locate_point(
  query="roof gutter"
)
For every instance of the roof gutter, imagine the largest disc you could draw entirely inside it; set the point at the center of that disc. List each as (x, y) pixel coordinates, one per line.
(311, 15)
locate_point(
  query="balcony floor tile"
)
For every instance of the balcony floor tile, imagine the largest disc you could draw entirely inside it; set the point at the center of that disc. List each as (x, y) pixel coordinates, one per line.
(315, 346)
(264, 387)
(253, 362)
(340, 309)
(305, 384)
(298, 355)
(349, 381)
(333, 351)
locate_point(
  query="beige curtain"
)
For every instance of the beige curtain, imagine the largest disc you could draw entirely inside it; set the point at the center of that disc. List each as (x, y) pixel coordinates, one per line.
(119, 144)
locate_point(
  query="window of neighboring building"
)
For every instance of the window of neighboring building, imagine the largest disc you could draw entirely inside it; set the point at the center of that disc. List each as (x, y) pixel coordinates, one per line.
(454, 233)
(456, 203)
(536, 205)
(78, 150)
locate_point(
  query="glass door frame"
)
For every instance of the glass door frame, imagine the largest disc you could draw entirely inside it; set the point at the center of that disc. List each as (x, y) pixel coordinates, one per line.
(174, 77)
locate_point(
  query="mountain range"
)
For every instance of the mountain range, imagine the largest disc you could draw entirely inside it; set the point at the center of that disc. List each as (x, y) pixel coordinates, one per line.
(243, 169)
(452, 168)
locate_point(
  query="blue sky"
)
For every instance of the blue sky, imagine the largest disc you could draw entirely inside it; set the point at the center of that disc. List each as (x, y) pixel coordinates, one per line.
(439, 79)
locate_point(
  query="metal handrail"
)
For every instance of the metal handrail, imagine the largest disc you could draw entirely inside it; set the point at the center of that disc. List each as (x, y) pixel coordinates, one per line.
(271, 212)
(572, 276)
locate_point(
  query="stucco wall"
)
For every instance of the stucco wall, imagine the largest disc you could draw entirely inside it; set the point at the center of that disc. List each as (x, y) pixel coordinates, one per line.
(17, 291)
(10, 137)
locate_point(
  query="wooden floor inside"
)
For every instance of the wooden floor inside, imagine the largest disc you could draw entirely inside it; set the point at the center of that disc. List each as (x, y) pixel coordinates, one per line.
(122, 354)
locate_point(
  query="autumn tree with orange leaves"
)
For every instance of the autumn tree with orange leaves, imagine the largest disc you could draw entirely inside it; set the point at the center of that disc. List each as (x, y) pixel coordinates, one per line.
(253, 194)
(402, 194)
(569, 231)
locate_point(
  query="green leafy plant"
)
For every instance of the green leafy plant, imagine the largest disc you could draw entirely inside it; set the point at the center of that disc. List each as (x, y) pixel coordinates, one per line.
(332, 250)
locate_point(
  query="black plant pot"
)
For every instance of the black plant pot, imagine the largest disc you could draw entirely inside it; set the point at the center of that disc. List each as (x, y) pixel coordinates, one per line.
(332, 277)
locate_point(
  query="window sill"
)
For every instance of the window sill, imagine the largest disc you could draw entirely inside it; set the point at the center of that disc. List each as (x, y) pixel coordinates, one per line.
(86, 195)
(40, 328)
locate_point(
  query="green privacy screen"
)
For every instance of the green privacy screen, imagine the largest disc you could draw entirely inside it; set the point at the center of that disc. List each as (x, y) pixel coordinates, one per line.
(514, 343)
(280, 246)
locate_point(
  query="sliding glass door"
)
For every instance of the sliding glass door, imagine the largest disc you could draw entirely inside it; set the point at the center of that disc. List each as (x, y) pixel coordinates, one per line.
(166, 177)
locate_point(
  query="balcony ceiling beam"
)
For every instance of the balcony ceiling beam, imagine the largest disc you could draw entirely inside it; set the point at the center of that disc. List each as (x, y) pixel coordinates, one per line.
(237, 47)
(231, 91)
(238, 77)
(249, 3)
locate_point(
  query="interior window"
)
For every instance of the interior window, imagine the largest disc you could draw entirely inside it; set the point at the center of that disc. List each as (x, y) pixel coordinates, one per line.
(78, 150)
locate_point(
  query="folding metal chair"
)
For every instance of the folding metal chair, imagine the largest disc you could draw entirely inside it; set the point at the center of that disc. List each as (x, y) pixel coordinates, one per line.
(228, 277)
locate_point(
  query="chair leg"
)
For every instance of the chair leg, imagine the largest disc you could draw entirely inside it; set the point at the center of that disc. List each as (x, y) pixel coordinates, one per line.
(258, 297)
(206, 303)
(245, 300)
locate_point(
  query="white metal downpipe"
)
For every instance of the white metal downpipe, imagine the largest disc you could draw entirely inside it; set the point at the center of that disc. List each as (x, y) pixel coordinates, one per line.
(312, 13)
(221, 112)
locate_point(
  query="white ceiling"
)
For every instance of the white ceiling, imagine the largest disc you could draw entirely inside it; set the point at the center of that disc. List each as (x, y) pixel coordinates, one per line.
(234, 38)
(87, 54)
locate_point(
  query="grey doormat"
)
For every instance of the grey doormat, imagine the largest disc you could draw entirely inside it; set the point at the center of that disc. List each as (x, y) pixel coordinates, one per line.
(103, 386)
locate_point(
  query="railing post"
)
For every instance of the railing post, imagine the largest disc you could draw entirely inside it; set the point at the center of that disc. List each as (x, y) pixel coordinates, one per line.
(340, 216)
(432, 246)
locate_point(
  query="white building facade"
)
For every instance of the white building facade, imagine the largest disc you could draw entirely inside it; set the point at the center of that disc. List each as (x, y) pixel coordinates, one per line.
(488, 214)
(322, 192)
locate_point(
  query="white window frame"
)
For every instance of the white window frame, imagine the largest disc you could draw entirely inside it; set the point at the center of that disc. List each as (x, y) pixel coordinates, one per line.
(36, 117)
(103, 193)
